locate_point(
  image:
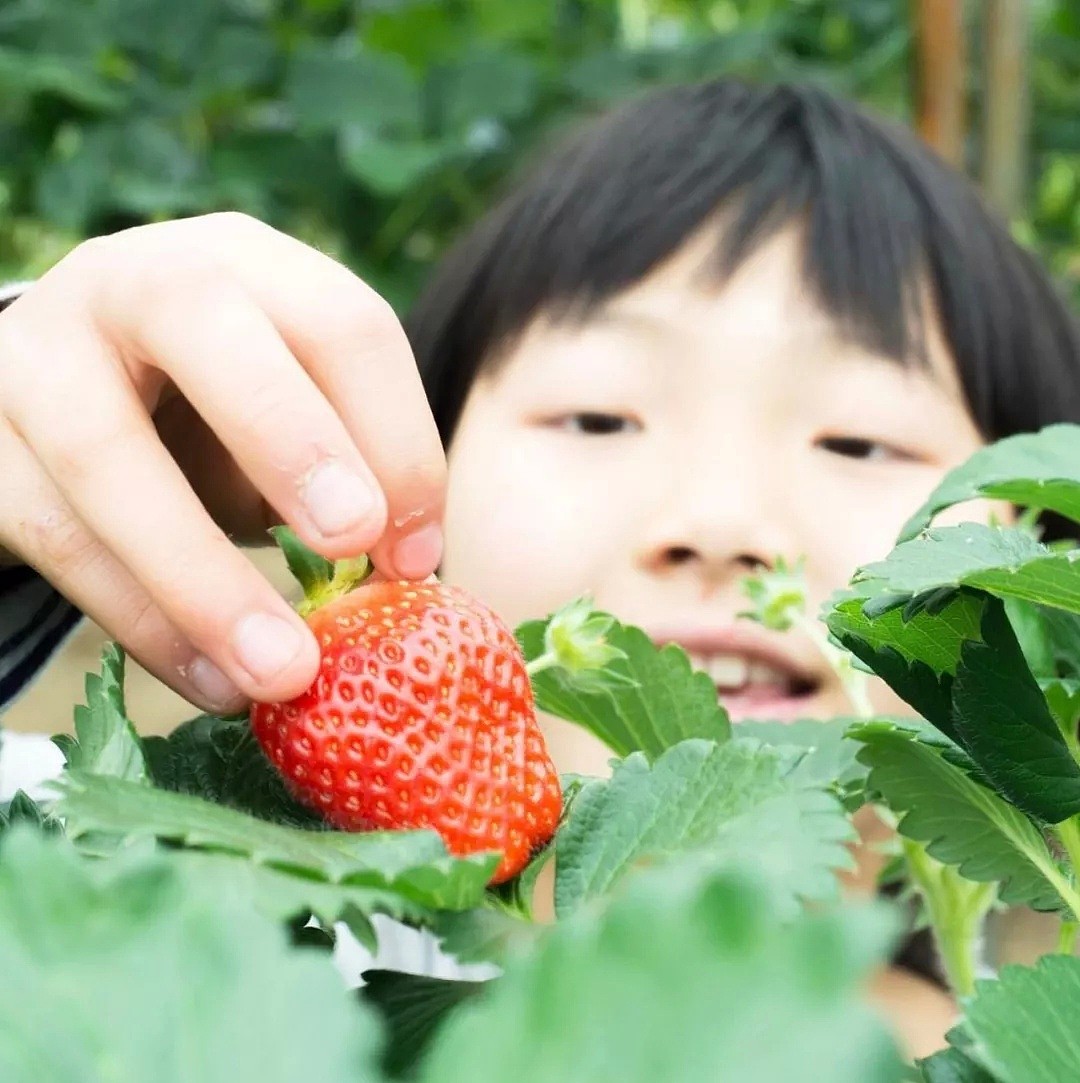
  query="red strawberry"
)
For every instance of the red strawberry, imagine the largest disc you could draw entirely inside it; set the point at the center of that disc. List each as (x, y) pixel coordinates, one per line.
(422, 716)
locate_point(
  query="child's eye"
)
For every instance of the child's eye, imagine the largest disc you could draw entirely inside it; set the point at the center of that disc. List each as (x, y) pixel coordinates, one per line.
(857, 447)
(596, 423)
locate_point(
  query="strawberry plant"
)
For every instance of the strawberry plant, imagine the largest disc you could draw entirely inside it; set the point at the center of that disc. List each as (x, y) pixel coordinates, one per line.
(185, 907)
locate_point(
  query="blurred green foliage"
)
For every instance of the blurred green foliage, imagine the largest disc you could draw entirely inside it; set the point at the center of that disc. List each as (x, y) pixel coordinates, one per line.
(377, 128)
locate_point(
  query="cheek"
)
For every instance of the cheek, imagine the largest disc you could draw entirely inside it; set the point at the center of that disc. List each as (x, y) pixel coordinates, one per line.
(522, 533)
(857, 520)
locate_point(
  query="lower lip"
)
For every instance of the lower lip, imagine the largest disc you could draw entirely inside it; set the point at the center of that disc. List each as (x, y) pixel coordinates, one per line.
(765, 702)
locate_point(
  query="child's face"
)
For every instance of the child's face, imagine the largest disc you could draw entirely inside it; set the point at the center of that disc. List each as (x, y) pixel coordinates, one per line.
(657, 452)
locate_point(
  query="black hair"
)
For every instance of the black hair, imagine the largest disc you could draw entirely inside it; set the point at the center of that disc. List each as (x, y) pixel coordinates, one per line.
(884, 219)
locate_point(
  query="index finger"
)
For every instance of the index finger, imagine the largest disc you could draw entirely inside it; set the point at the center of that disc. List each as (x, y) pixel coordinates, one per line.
(355, 349)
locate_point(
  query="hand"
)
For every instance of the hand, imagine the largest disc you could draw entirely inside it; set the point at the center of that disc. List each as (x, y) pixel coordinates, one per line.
(174, 384)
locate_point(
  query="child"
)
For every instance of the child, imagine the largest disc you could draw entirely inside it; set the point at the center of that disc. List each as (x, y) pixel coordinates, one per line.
(723, 325)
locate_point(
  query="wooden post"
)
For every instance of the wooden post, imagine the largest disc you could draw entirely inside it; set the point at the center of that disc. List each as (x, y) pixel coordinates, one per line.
(940, 90)
(1006, 108)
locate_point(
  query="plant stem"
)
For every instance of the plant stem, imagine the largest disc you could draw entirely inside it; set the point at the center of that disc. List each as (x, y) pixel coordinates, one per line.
(1068, 832)
(956, 908)
(1066, 944)
(541, 662)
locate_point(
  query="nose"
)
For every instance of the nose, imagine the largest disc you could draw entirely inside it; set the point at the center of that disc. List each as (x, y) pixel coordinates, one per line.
(716, 527)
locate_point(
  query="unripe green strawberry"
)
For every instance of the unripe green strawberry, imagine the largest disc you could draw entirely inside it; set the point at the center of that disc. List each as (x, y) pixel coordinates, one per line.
(421, 716)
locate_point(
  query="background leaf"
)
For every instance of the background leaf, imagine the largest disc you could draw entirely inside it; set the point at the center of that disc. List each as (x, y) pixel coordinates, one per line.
(680, 981)
(22, 809)
(113, 970)
(952, 1066)
(412, 1008)
(498, 79)
(332, 84)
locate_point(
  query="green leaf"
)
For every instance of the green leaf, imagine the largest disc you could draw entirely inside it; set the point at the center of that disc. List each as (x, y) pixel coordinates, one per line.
(220, 760)
(933, 638)
(115, 970)
(22, 809)
(1002, 720)
(952, 1066)
(681, 979)
(311, 571)
(1005, 562)
(487, 83)
(724, 803)
(1033, 635)
(238, 57)
(412, 863)
(483, 935)
(1063, 700)
(390, 167)
(1024, 1023)
(827, 755)
(605, 77)
(105, 741)
(329, 85)
(37, 71)
(1040, 470)
(283, 895)
(961, 822)
(412, 1009)
(1062, 631)
(975, 686)
(654, 701)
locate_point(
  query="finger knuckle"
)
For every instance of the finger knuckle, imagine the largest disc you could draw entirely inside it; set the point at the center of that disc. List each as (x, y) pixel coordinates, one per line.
(184, 275)
(267, 410)
(355, 316)
(235, 222)
(76, 456)
(92, 254)
(56, 540)
(423, 483)
(140, 618)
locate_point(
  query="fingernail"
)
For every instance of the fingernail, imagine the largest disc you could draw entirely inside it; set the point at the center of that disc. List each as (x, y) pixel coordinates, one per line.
(418, 554)
(337, 499)
(211, 684)
(265, 645)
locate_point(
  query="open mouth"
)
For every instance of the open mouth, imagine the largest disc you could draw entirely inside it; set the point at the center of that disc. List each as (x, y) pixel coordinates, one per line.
(751, 687)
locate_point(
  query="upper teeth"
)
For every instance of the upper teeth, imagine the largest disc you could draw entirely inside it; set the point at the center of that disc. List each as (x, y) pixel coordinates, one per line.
(731, 671)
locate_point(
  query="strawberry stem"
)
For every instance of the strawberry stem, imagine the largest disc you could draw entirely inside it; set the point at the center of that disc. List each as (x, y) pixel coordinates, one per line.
(541, 662)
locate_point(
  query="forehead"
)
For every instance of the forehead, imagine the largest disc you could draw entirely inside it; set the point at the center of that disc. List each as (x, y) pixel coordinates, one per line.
(766, 302)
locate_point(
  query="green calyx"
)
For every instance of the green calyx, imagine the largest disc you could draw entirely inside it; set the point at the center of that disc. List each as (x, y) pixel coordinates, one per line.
(778, 596)
(575, 641)
(322, 580)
